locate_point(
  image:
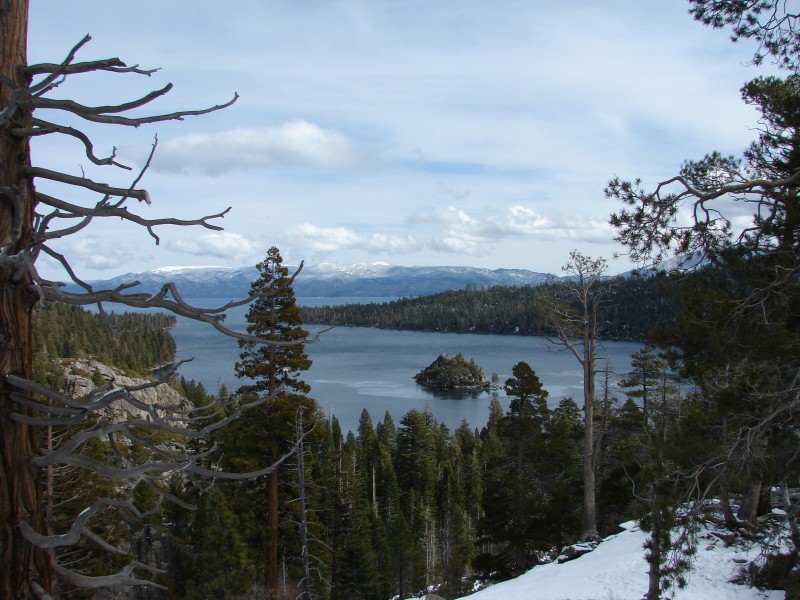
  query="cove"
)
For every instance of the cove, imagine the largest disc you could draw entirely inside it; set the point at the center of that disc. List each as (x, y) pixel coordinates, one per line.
(356, 367)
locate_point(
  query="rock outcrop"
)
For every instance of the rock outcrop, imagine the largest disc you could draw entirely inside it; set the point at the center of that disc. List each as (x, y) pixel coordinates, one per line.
(84, 375)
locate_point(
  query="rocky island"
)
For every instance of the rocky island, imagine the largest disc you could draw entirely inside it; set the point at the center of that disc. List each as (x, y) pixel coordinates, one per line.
(450, 372)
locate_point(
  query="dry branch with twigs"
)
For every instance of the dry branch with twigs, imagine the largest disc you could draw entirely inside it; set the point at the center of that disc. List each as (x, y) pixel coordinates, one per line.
(36, 220)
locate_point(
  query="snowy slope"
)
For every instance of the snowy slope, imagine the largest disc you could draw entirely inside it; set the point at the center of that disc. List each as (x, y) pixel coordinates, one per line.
(325, 280)
(616, 570)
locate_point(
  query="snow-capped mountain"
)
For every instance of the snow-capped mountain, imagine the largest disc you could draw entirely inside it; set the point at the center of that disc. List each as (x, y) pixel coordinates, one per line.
(327, 280)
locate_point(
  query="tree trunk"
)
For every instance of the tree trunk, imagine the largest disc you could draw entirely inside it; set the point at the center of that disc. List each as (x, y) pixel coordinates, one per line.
(272, 568)
(748, 510)
(21, 564)
(654, 558)
(589, 513)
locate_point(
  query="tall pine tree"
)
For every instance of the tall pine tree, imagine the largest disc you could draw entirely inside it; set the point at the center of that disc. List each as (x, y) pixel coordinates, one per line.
(273, 316)
(273, 369)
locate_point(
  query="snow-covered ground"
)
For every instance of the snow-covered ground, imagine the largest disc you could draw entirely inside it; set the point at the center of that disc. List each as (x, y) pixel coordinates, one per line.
(616, 570)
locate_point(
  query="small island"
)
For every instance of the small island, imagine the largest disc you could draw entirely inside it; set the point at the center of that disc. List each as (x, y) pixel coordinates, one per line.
(453, 372)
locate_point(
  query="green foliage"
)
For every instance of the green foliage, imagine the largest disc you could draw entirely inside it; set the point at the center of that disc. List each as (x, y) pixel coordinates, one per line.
(452, 372)
(633, 308)
(770, 23)
(221, 566)
(135, 342)
(273, 316)
(531, 478)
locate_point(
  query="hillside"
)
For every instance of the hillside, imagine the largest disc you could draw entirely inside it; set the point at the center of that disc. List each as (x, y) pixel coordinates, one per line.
(326, 280)
(636, 305)
(616, 570)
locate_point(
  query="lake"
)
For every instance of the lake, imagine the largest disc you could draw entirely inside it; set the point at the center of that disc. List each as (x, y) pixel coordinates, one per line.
(356, 367)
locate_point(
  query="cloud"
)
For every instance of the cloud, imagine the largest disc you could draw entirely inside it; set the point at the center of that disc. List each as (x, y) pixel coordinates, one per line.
(226, 245)
(295, 143)
(458, 231)
(331, 239)
(88, 253)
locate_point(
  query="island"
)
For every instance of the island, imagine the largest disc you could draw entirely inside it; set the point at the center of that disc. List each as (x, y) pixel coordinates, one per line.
(451, 372)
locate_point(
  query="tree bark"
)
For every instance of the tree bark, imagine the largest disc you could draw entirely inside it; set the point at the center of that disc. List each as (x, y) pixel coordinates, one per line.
(589, 513)
(272, 570)
(654, 546)
(22, 565)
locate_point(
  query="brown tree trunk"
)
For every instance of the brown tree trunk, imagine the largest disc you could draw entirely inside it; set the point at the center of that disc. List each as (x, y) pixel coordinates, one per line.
(589, 513)
(21, 564)
(654, 558)
(272, 570)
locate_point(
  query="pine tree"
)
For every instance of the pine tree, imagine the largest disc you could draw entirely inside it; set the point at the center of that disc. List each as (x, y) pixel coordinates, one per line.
(272, 369)
(273, 316)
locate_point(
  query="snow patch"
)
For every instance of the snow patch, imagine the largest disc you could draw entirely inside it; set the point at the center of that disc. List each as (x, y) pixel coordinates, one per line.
(616, 570)
(188, 268)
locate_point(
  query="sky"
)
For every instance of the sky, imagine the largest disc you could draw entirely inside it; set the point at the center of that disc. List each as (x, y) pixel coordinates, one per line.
(416, 133)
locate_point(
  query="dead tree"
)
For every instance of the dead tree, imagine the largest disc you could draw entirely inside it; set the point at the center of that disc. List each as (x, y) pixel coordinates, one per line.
(569, 309)
(311, 563)
(29, 222)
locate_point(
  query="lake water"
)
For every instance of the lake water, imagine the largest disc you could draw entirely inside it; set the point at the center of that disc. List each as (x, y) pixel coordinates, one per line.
(356, 368)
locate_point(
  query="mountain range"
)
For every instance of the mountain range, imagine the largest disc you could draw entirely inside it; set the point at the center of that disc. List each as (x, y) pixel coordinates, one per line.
(326, 280)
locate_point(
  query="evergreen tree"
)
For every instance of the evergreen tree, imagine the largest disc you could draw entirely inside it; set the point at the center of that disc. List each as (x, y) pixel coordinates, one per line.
(645, 379)
(220, 567)
(272, 369)
(274, 316)
(737, 336)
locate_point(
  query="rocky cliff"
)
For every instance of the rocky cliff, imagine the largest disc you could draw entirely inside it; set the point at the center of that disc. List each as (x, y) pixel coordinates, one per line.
(84, 375)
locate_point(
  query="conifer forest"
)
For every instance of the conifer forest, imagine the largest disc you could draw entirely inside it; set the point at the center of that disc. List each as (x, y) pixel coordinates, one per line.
(117, 474)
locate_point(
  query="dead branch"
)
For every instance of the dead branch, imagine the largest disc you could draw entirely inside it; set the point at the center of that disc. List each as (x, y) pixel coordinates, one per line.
(103, 210)
(83, 182)
(106, 114)
(41, 127)
(124, 577)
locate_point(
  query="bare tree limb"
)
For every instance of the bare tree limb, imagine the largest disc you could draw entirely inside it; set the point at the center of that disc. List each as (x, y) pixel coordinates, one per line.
(124, 577)
(105, 210)
(105, 114)
(83, 182)
(42, 127)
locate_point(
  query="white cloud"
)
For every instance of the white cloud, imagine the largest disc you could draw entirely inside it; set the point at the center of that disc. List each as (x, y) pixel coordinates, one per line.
(293, 143)
(225, 245)
(331, 239)
(88, 253)
(536, 101)
(457, 231)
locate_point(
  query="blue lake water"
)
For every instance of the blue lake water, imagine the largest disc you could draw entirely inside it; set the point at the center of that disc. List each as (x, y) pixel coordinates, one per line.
(356, 368)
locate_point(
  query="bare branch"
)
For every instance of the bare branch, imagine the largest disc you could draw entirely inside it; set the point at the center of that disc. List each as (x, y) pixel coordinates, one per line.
(100, 114)
(114, 65)
(106, 210)
(177, 305)
(751, 186)
(124, 577)
(45, 128)
(101, 188)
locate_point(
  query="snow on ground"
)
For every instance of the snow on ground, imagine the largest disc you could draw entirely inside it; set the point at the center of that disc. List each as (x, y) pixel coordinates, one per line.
(616, 570)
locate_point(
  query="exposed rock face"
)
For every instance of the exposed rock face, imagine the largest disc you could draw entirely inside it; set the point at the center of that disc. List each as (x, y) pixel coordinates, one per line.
(146, 544)
(453, 372)
(84, 375)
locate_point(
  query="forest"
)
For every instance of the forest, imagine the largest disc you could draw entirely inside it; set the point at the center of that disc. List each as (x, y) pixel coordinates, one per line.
(397, 508)
(635, 306)
(391, 508)
(253, 493)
